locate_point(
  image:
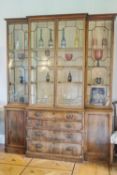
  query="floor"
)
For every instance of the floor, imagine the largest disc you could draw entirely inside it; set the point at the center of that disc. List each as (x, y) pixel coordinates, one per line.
(13, 164)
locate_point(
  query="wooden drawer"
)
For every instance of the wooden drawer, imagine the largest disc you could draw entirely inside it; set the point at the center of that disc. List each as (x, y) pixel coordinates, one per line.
(40, 124)
(68, 149)
(68, 126)
(49, 147)
(67, 116)
(43, 147)
(54, 136)
(54, 125)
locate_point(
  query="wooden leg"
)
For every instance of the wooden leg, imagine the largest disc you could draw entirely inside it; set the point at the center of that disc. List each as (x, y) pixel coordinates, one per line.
(111, 153)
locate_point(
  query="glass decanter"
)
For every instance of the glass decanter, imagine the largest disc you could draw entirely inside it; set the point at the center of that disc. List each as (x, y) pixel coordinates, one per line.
(63, 40)
(41, 42)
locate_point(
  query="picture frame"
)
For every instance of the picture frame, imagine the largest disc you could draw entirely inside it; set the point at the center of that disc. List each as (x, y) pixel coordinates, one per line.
(98, 95)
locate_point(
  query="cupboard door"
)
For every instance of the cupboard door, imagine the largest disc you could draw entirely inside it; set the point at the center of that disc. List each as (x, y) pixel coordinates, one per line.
(98, 129)
(99, 62)
(70, 63)
(42, 50)
(18, 62)
(15, 131)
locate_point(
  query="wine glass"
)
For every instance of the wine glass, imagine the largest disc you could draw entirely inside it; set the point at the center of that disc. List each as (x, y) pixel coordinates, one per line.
(98, 54)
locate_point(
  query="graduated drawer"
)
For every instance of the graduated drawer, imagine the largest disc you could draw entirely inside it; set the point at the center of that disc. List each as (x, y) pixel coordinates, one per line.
(55, 148)
(67, 116)
(68, 149)
(54, 125)
(54, 136)
(37, 146)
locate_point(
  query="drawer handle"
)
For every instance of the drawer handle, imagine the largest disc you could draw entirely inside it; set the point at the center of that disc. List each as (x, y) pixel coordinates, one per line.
(69, 136)
(68, 126)
(39, 146)
(69, 116)
(39, 134)
(37, 114)
(69, 149)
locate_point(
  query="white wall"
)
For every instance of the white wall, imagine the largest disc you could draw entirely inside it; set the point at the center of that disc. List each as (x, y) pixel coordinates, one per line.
(22, 8)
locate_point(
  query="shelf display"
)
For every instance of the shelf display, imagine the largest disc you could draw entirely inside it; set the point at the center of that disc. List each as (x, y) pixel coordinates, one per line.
(18, 63)
(44, 64)
(100, 40)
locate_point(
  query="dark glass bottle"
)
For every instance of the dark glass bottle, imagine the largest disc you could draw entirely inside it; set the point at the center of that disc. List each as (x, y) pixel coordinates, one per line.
(50, 42)
(69, 77)
(48, 77)
(21, 79)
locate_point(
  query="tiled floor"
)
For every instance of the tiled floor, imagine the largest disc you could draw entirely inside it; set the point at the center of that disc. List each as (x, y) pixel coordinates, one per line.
(13, 164)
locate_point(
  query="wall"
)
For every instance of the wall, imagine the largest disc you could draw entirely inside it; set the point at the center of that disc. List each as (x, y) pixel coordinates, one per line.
(22, 8)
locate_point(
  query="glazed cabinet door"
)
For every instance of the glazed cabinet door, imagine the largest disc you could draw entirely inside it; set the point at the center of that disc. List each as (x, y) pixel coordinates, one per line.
(99, 62)
(70, 63)
(98, 130)
(17, 62)
(42, 51)
(15, 131)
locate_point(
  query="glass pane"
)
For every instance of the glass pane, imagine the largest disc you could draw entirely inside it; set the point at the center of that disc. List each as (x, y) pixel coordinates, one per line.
(70, 87)
(70, 62)
(42, 62)
(71, 34)
(18, 63)
(99, 63)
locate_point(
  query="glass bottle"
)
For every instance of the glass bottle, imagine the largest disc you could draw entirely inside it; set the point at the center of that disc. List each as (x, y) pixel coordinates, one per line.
(17, 46)
(104, 39)
(21, 79)
(76, 39)
(50, 42)
(47, 77)
(63, 40)
(41, 42)
(69, 77)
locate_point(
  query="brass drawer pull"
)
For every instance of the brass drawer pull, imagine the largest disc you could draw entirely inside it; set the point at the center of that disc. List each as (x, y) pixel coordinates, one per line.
(69, 116)
(39, 146)
(37, 114)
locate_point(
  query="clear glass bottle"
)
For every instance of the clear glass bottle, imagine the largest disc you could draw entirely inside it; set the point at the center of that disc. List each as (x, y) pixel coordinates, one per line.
(76, 39)
(104, 39)
(50, 42)
(41, 42)
(63, 40)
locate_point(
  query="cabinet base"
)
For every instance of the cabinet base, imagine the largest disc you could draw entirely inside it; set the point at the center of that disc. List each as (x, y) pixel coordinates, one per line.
(14, 150)
(55, 157)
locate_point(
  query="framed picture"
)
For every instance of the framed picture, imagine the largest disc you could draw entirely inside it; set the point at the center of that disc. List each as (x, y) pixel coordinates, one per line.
(98, 95)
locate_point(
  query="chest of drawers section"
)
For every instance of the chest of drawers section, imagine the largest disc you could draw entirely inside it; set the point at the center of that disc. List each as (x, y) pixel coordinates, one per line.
(57, 135)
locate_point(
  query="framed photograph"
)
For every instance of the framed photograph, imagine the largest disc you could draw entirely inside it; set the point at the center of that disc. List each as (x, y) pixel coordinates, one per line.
(98, 95)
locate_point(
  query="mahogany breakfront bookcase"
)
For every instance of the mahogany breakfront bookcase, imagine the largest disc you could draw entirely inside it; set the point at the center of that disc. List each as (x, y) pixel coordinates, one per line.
(59, 86)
